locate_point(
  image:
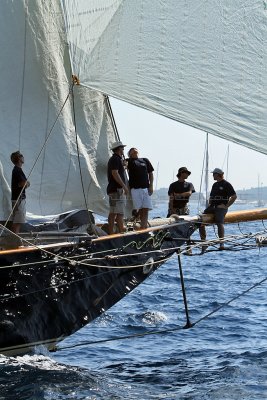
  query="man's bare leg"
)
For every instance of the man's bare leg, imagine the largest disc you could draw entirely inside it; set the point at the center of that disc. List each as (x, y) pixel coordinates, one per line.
(111, 222)
(119, 220)
(143, 217)
(203, 236)
(16, 228)
(221, 235)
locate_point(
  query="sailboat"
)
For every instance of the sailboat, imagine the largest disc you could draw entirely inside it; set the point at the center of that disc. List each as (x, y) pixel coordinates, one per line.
(198, 63)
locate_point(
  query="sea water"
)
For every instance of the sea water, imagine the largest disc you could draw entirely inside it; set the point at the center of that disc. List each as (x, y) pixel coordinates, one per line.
(223, 356)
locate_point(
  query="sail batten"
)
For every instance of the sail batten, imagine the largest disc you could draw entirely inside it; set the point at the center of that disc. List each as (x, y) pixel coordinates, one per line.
(200, 63)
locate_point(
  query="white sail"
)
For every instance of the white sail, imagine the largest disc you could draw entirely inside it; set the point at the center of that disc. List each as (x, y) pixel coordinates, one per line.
(203, 63)
(36, 80)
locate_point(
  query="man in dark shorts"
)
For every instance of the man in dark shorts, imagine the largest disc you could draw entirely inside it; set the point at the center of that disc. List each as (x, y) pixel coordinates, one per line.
(222, 196)
(19, 183)
(179, 193)
(141, 184)
(117, 188)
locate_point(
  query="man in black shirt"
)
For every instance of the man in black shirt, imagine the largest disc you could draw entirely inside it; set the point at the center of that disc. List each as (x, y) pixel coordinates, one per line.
(117, 188)
(19, 183)
(222, 196)
(141, 184)
(179, 193)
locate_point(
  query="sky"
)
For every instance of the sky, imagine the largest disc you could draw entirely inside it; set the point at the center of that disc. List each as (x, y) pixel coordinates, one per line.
(169, 145)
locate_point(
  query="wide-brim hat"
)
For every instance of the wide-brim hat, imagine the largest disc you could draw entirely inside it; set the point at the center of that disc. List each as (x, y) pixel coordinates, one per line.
(183, 169)
(117, 144)
(217, 171)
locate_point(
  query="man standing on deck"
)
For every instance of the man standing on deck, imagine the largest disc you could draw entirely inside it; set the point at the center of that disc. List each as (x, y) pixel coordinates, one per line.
(117, 188)
(179, 193)
(19, 183)
(222, 196)
(141, 184)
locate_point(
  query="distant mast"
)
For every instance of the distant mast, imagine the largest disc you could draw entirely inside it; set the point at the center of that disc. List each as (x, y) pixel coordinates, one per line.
(260, 202)
(227, 161)
(157, 176)
(207, 170)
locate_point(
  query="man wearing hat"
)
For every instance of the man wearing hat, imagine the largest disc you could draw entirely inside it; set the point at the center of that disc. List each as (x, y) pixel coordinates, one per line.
(222, 196)
(179, 193)
(19, 183)
(117, 188)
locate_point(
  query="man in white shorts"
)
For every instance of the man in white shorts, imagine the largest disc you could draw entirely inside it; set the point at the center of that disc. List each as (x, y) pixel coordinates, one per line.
(19, 183)
(141, 184)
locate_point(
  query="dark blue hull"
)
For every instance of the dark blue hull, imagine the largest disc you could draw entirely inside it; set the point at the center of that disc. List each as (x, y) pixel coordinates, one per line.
(50, 292)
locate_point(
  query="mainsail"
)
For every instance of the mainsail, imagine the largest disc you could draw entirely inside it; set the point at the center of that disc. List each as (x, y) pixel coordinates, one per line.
(65, 146)
(202, 63)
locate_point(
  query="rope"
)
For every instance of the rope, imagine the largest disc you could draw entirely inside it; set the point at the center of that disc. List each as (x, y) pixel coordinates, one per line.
(23, 74)
(73, 262)
(54, 286)
(82, 263)
(78, 280)
(37, 158)
(148, 332)
(165, 331)
(231, 300)
(117, 136)
(76, 81)
(265, 229)
(36, 247)
(201, 178)
(227, 239)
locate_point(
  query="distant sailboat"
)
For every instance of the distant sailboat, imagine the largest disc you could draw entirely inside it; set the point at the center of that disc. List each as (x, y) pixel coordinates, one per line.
(199, 63)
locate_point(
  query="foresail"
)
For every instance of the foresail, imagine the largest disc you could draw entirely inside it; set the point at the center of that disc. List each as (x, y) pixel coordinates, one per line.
(203, 63)
(65, 151)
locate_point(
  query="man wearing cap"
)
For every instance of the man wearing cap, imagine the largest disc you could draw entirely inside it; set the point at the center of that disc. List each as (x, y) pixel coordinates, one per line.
(141, 184)
(19, 183)
(117, 188)
(222, 196)
(179, 193)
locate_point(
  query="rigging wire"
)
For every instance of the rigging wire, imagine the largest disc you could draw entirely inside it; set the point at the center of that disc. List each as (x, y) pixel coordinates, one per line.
(238, 224)
(71, 260)
(23, 72)
(117, 136)
(37, 158)
(91, 228)
(265, 229)
(123, 267)
(165, 331)
(202, 173)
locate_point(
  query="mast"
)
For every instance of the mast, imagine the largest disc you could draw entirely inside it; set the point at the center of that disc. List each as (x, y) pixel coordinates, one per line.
(112, 118)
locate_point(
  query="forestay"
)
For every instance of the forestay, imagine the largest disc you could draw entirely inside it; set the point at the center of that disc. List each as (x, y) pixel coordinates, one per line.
(36, 79)
(203, 63)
